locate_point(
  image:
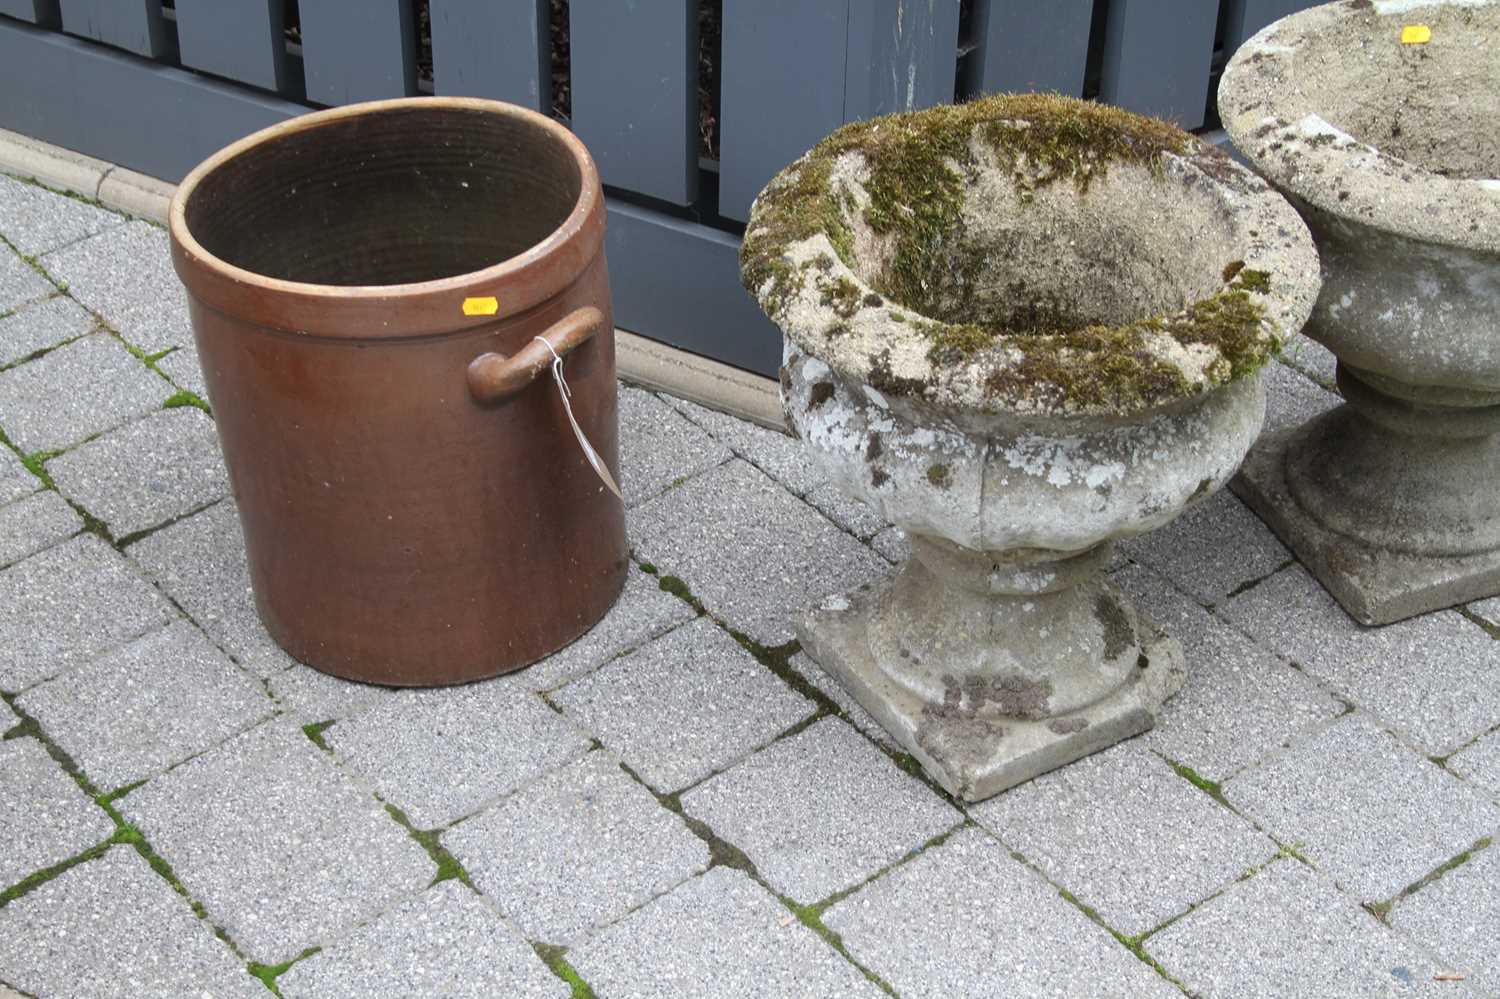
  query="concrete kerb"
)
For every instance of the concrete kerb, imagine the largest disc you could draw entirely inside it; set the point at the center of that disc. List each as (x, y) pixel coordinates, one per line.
(640, 361)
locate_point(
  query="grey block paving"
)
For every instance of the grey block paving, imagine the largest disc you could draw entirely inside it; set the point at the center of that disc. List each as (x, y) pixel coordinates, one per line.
(41, 325)
(965, 919)
(445, 942)
(67, 604)
(1240, 702)
(20, 283)
(577, 849)
(1458, 918)
(753, 554)
(807, 668)
(8, 718)
(847, 512)
(311, 696)
(1130, 838)
(16, 479)
(1308, 356)
(200, 563)
(45, 817)
(1288, 932)
(1480, 764)
(643, 612)
(143, 301)
(779, 455)
(1292, 398)
(36, 220)
(146, 472)
(112, 929)
(684, 706)
(44, 405)
(441, 754)
(283, 849)
(891, 545)
(1489, 610)
(1431, 677)
(719, 936)
(38, 521)
(1361, 807)
(183, 368)
(659, 447)
(1243, 548)
(135, 711)
(821, 811)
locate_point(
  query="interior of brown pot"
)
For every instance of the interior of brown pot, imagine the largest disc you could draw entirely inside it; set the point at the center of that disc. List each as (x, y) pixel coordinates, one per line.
(388, 197)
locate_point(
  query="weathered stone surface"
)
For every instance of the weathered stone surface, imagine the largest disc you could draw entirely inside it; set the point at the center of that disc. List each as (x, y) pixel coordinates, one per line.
(659, 448)
(964, 919)
(311, 696)
(67, 604)
(144, 301)
(1287, 932)
(1458, 918)
(36, 522)
(753, 554)
(858, 716)
(1431, 678)
(575, 850)
(1480, 764)
(20, 283)
(16, 479)
(35, 220)
(110, 928)
(684, 706)
(719, 936)
(643, 612)
(41, 325)
(443, 753)
(1244, 550)
(200, 563)
(135, 711)
(1360, 806)
(183, 368)
(146, 472)
(283, 849)
(1239, 703)
(1131, 839)
(820, 811)
(444, 942)
(42, 409)
(777, 454)
(45, 817)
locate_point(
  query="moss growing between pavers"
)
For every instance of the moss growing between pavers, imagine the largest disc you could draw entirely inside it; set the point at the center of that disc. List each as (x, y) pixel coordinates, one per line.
(268, 973)
(1211, 788)
(448, 866)
(314, 732)
(1382, 910)
(182, 397)
(553, 957)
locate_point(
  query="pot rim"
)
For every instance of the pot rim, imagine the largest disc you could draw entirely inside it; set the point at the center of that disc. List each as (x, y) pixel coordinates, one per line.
(371, 312)
(1265, 113)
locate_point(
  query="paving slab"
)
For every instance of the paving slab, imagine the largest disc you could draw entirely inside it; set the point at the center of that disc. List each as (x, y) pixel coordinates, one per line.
(891, 545)
(659, 447)
(1361, 807)
(1309, 357)
(20, 283)
(145, 706)
(1487, 610)
(147, 472)
(719, 936)
(820, 811)
(76, 391)
(1240, 702)
(1126, 835)
(847, 512)
(111, 929)
(1288, 932)
(807, 668)
(16, 479)
(200, 563)
(283, 849)
(8, 718)
(40, 326)
(67, 604)
(643, 612)
(34, 523)
(311, 697)
(1479, 764)
(1429, 677)
(1292, 398)
(445, 942)
(36, 220)
(779, 455)
(1244, 549)
(1458, 918)
(750, 552)
(45, 817)
(688, 704)
(443, 753)
(576, 850)
(125, 275)
(965, 919)
(183, 368)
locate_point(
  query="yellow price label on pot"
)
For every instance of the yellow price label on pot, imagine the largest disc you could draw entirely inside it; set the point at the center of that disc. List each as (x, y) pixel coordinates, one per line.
(486, 305)
(1416, 34)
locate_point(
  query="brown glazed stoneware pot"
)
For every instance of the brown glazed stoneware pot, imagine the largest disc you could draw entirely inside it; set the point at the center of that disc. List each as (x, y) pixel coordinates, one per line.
(366, 287)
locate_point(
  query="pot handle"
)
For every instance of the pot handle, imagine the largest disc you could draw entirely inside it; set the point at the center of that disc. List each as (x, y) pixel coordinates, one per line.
(493, 376)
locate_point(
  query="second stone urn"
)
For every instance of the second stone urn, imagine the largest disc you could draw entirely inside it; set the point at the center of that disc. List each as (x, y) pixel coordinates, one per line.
(1020, 329)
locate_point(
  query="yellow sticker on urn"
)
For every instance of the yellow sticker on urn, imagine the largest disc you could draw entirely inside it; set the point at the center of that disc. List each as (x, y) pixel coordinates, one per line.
(486, 305)
(1416, 34)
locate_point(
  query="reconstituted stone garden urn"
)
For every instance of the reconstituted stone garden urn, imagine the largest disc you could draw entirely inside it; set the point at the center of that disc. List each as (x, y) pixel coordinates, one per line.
(1379, 121)
(1020, 328)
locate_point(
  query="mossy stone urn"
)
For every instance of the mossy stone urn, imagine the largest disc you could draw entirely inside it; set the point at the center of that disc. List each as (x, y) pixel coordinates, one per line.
(1380, 120)
(1020, 329)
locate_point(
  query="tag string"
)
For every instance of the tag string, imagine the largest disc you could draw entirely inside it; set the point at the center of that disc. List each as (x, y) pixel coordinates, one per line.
(565, 392)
